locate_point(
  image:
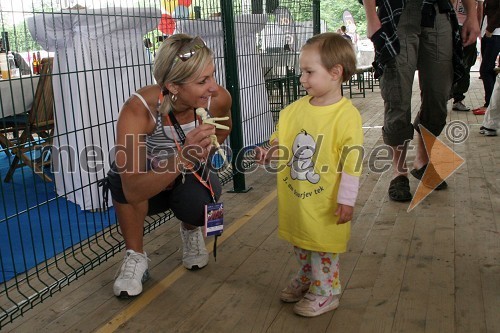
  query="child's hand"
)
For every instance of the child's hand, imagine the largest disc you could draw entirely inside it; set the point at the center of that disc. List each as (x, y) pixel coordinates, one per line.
(344, 213)
(261, 155)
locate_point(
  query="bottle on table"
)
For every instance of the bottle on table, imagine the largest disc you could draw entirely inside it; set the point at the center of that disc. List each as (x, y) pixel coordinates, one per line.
(35, 65)
(5, 41)
(39, 58)
(4, 65)
(13, 70)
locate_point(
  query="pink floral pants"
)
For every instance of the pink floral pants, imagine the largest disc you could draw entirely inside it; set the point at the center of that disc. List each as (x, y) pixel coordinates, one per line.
(320, 269)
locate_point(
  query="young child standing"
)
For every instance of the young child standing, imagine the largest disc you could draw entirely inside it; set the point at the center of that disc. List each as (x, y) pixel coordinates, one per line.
(318, 149)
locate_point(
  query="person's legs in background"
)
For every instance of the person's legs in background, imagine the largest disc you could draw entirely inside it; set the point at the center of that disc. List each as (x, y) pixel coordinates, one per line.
(490, 47)
(396, 88)
(435, 68)
(491, 121)
(462, 86)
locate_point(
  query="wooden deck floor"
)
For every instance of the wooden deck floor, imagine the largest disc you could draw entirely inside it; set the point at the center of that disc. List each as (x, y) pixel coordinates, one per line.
(433, 269)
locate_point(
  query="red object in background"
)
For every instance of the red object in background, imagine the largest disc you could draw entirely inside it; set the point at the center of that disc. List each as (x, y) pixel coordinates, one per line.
(186, 3)
(480, 111)
(167, 24)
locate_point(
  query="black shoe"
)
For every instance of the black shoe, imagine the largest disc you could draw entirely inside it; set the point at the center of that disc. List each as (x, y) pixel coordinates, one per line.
(419, 173)
(399, 189)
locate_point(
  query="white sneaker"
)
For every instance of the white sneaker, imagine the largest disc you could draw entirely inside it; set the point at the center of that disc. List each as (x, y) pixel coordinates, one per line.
(132, 274)
(459, 106)
(194, 252)
(314, 305)
(490, 132)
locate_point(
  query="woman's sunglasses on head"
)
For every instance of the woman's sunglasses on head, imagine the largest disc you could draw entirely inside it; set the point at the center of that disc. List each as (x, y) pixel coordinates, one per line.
(187, 51)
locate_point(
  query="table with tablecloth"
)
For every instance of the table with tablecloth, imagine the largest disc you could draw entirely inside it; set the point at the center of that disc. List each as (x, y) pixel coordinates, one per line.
(16, 95)
(99, 60)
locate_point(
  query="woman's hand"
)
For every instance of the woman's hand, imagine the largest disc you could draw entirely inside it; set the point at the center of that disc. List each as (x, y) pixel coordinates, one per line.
(198, 144)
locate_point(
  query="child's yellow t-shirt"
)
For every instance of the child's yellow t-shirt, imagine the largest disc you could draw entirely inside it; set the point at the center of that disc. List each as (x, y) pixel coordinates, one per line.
(317, 144)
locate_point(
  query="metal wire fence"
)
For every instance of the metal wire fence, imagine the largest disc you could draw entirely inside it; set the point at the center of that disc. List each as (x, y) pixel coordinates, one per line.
(54, 227)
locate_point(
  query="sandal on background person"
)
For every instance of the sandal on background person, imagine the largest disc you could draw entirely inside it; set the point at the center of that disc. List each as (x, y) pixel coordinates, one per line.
(419, 173)
(399, 189)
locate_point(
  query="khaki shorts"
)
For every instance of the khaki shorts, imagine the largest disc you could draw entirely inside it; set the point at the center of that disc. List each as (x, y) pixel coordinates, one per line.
(430, 51)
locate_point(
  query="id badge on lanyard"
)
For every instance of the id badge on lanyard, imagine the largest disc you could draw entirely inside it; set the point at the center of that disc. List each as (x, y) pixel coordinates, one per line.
(214, 219)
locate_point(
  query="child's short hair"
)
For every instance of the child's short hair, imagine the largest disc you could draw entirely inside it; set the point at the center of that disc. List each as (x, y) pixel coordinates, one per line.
(334, 50)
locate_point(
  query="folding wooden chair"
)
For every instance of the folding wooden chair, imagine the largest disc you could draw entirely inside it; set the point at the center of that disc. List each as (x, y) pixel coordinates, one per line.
(6, 130)
(34, 128)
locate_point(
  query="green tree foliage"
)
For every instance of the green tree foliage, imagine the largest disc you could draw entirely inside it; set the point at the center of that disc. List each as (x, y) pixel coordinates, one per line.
(332, 10)
(20, 39)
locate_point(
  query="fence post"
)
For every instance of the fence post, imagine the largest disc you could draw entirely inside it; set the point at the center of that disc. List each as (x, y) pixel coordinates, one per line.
(232, 85)
(316, 17)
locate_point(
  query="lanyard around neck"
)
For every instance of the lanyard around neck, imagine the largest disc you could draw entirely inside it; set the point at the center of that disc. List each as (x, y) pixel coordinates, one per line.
(172, 122)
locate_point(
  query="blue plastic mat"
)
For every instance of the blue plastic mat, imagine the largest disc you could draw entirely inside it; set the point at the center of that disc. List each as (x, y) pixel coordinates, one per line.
(35, 225)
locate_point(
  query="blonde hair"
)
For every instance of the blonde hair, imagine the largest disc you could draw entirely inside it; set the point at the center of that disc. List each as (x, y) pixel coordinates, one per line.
(334, 50)
(169, 68)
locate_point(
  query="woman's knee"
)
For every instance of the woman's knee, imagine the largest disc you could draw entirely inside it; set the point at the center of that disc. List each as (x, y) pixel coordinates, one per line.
(130, 213)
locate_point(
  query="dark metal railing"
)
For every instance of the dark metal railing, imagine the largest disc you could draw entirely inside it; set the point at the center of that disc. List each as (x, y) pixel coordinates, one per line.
(52, 233)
